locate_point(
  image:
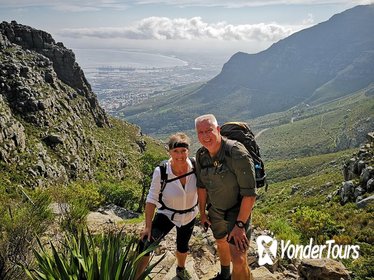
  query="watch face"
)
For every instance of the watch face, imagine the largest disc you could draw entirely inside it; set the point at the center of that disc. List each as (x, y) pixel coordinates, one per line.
(240, 224)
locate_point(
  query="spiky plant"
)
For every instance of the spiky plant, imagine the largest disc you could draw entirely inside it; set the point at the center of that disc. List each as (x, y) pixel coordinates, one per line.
(82, 257)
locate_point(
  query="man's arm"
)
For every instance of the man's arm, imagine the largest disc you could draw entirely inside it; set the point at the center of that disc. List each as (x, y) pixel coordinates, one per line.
(246, 207)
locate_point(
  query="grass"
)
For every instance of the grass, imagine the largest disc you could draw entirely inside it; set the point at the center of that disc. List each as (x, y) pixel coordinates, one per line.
(325, 132)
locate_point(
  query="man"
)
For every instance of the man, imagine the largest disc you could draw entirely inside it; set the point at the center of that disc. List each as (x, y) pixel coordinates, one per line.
(227, 182)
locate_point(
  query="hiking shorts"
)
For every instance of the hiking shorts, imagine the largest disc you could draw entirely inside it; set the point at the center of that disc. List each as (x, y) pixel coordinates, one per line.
(222, 222)
(161, 226)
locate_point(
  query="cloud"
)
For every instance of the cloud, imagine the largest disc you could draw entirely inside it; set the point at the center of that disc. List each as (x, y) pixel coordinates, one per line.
(163, 28)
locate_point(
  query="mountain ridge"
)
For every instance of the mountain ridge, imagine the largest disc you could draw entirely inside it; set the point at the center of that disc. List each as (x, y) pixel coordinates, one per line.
(324, 62)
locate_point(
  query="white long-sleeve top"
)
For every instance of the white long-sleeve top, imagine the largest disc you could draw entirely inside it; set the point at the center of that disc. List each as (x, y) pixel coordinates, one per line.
(174, 195)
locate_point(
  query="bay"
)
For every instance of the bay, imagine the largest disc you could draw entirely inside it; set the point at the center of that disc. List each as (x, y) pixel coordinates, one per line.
(99, 58)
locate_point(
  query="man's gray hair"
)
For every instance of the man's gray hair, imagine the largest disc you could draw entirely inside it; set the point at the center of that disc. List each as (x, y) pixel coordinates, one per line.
(208, 117)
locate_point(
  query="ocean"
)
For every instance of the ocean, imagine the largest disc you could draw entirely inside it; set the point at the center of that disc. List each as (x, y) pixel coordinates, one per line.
(101, 58)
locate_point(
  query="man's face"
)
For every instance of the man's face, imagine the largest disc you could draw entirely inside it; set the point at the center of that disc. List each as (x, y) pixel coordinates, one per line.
(208, 135)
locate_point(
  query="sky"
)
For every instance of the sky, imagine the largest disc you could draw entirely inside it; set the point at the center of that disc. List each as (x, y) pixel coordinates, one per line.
(184, 25)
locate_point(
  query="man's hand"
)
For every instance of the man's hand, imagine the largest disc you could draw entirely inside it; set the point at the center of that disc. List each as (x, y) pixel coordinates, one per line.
(240, 238)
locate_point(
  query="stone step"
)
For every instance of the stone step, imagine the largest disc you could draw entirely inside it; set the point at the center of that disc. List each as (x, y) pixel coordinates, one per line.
(171, 275)
(161, 269)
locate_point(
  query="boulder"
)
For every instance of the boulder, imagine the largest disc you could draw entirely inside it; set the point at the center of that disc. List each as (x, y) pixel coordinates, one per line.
(365, 202)
(323, 269)
(262, 273)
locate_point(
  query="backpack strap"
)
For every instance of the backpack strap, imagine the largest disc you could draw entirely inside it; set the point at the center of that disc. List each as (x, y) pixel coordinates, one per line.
(228, 147)
(228, 151)
(165, 180)
(164, 176)
(256, 160)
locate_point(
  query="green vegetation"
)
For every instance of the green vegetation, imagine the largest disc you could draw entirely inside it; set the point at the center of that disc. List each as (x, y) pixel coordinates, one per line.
(123, 160)
(322, 129)
(286, 169)
(310, 130)
(23, 214)
(113, 256)
(301, 203)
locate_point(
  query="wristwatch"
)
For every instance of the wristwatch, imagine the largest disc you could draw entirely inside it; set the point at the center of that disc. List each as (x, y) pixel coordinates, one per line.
(240, 224)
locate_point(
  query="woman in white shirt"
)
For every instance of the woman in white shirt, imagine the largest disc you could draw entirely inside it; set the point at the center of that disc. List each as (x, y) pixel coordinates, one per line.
(173, 192)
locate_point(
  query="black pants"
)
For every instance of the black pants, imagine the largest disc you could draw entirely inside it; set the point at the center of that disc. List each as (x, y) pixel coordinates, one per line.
(161, 226)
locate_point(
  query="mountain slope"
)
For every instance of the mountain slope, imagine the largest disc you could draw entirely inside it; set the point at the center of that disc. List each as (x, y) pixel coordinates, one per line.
(320, 129)
(52, 129)
(315, 65)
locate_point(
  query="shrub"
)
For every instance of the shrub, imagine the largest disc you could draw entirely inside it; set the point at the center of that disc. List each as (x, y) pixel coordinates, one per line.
(284, 231)
(73, 208)
(22, 216)
(87, 192)
(363, 267)
(85, 257)
(314, 223)
(122, 194)
(149, 161)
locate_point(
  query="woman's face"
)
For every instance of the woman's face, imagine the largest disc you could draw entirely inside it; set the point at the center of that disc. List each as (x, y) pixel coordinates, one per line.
(179, 154)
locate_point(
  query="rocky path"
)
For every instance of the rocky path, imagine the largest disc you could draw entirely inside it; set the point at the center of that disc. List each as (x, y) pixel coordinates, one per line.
(203, 262)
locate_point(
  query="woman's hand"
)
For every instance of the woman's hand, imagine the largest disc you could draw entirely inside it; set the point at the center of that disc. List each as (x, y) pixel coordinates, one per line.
(146, 233)
(205, 221)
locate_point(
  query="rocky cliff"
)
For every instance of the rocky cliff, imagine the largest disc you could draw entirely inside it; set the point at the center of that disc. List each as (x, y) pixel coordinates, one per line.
(358, 174)
(48, 112)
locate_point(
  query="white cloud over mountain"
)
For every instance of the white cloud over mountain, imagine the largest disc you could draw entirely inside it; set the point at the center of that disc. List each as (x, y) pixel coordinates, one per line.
(163, 28)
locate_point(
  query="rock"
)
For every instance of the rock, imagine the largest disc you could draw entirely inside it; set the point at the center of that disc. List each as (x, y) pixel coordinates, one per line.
(294, 189)
(347, 192)
(119, 211)
(360, 167)
(290, 275)
(323, 269)
(59, 208)
(370, 137)
(262, 273)
(365, 202)
(53, 140)
(164, 266)
(358, 192)
(190, 266)
(370, 185)
(12, 134)
(366, 175)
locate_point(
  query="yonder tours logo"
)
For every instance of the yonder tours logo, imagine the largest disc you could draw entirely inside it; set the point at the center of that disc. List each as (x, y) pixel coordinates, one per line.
(268, 249)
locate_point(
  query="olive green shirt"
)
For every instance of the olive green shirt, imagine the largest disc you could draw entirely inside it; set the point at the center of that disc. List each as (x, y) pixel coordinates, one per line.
(226, 178)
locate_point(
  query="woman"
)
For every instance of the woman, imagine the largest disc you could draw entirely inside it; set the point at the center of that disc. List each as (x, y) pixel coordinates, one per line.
(175, 200)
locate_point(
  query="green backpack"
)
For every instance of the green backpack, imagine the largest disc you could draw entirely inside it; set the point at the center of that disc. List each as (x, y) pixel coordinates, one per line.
(241, 132)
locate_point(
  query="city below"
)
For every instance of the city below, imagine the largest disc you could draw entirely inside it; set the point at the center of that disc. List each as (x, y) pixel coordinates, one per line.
(120, 84)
